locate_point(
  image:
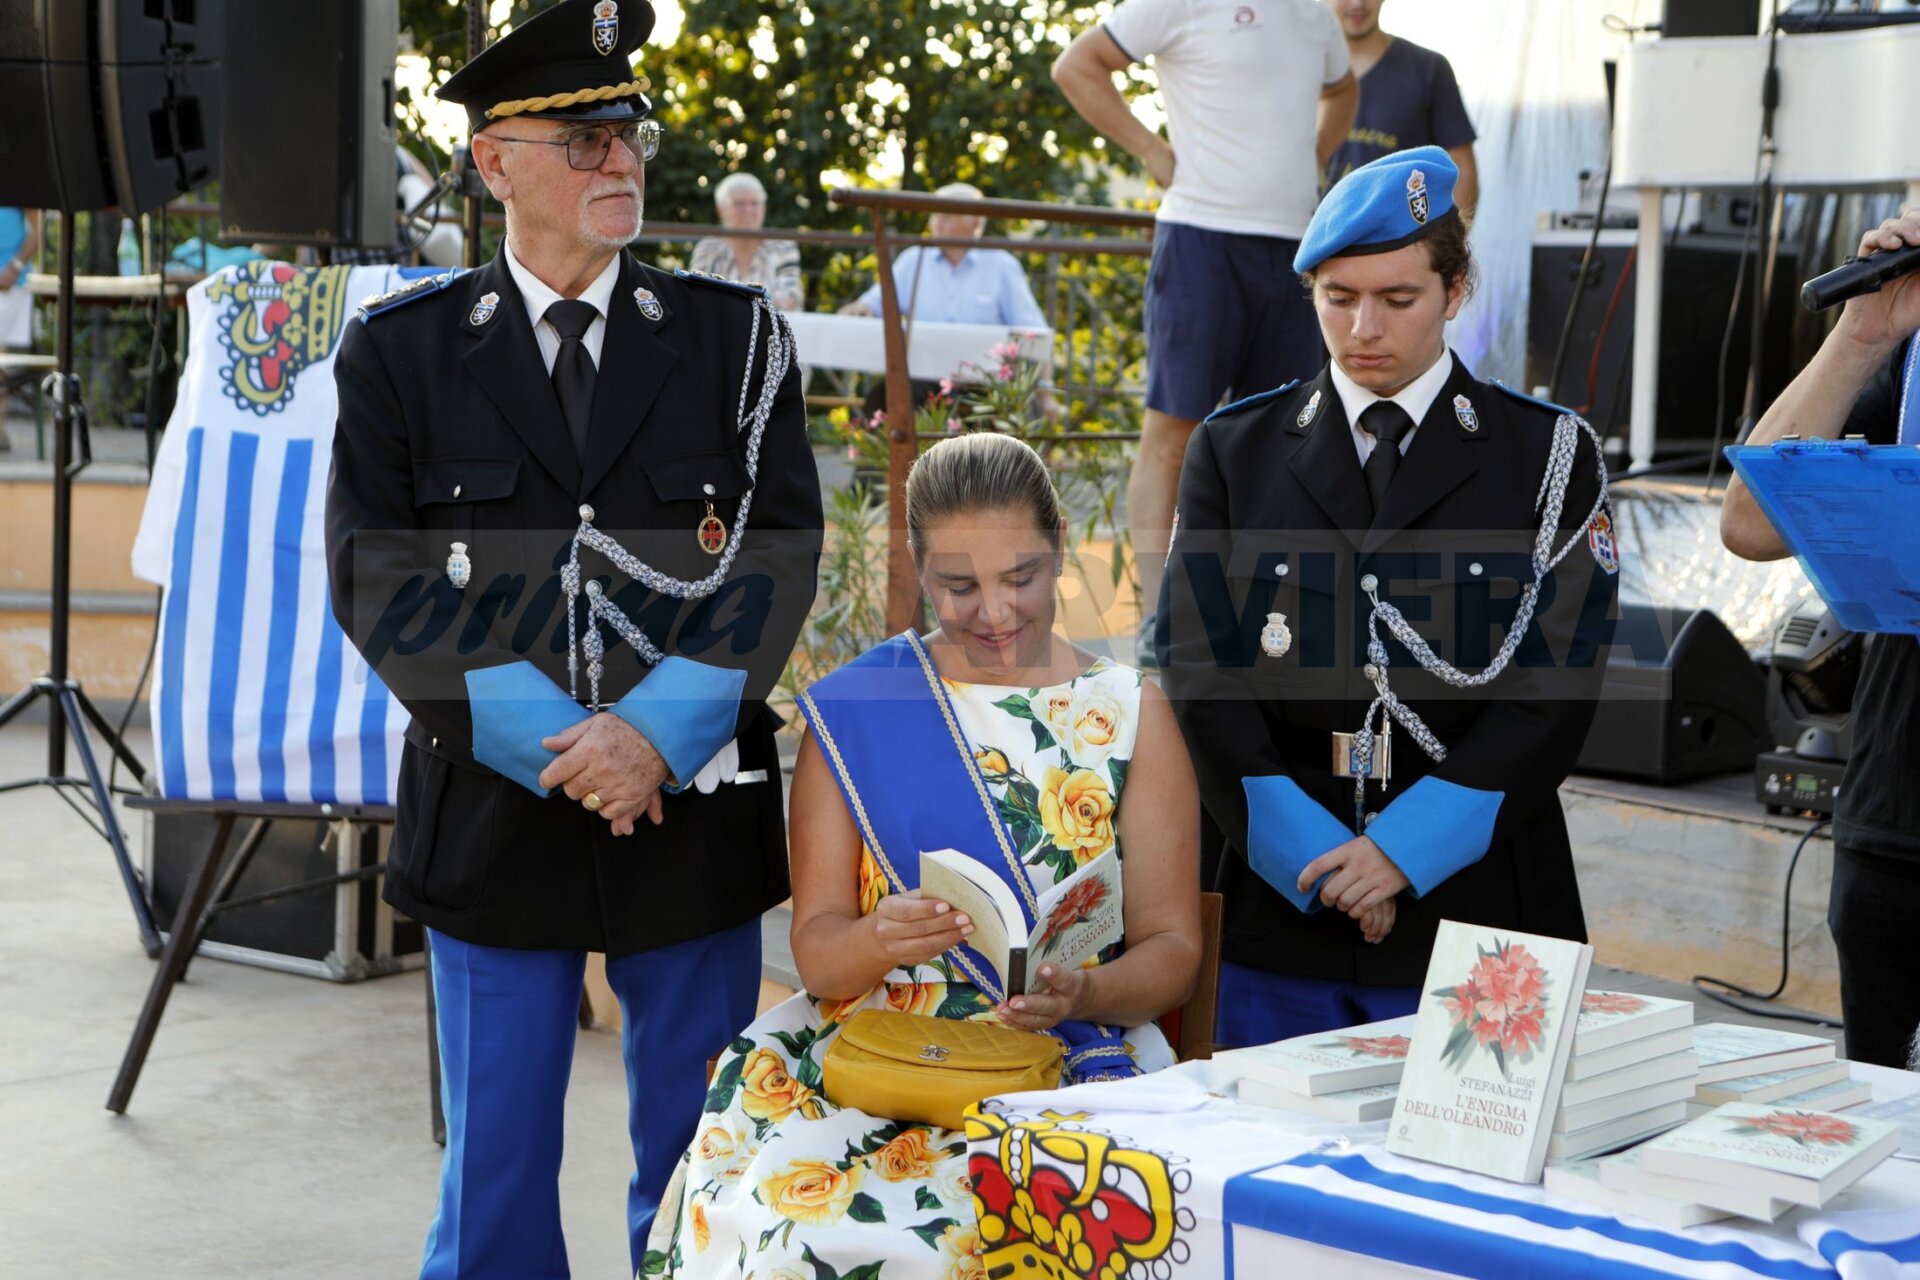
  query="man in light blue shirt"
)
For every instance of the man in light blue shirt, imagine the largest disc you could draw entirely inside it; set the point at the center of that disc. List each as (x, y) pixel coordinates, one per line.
(957, 285)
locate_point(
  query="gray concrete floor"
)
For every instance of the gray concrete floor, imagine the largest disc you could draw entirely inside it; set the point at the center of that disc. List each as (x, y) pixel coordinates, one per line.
(280, 1128)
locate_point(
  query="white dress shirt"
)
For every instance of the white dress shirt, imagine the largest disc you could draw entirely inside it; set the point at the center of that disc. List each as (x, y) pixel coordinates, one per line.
(1416, 398)
(538, 295)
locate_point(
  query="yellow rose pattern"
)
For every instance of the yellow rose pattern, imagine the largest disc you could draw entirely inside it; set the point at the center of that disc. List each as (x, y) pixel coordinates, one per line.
(778, 1181)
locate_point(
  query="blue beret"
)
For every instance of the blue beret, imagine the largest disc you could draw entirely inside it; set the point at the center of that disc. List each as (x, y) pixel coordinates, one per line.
(1381, 206)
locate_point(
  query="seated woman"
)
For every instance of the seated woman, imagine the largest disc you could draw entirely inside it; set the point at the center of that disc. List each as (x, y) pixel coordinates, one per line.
(994, 736)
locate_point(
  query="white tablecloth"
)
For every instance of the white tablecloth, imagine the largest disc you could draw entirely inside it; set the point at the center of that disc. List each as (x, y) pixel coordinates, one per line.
(934, 350)
(1183, 1180)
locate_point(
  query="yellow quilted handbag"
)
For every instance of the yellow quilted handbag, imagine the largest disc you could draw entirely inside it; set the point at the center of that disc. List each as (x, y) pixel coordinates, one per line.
(904, 1066)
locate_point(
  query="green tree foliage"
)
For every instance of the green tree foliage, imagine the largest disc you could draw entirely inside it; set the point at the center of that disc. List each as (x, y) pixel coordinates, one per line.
(952, 89)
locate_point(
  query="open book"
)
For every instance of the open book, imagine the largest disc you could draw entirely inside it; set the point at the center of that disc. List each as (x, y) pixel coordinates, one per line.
(1077, 918)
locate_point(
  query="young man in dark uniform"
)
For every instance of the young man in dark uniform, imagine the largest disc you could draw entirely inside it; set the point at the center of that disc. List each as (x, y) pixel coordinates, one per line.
(1384, 606)
(1862, 382)
(572, 523)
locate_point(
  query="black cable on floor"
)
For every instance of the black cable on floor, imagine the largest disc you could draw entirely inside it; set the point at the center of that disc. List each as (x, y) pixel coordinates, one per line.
(1786, 914)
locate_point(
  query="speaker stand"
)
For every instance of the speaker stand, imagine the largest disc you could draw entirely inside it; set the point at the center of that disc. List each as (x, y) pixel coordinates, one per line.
(69, 710)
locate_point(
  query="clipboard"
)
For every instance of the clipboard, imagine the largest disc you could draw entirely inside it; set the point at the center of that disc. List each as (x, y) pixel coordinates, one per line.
(1850, 513)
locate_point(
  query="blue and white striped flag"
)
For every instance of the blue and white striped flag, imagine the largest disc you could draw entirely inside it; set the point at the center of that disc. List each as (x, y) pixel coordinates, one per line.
(257, 695)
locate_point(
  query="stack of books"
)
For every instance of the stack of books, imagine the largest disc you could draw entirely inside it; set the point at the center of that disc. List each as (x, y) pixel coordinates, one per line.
(1757, 1064)
(1589, 1181)
(1631, 1074)
(1351, 1075)
(1756, 1160)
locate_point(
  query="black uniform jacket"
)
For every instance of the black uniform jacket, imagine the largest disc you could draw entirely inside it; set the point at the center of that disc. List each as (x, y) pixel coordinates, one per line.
(1274, 517)
(450, 431)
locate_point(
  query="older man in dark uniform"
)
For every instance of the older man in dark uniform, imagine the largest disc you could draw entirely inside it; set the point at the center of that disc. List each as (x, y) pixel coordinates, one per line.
(1383, 608)
(573, 523)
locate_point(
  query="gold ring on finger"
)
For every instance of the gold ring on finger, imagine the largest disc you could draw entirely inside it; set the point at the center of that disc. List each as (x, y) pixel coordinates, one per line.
(592, 801)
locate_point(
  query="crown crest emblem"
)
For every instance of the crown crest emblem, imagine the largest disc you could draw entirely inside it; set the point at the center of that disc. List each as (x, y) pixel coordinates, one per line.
(606, 27)
(1417, 203)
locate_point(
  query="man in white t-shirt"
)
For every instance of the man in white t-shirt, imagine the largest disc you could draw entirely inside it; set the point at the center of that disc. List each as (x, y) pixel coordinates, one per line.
(1258, 93)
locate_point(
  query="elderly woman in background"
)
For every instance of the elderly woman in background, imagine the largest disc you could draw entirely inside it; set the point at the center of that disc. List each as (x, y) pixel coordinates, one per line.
(741, 203)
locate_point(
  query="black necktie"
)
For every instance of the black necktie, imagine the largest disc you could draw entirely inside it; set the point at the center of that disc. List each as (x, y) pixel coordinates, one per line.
(573, 367)
(1388, 424)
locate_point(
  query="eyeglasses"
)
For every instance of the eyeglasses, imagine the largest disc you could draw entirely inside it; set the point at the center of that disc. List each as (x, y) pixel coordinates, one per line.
(589, 147)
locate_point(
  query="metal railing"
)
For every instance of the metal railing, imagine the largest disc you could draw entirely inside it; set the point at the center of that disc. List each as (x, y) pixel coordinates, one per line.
(903, 588)
(1065, 298)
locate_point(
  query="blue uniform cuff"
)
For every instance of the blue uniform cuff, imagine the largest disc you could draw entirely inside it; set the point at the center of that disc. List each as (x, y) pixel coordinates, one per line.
(513, 707)
(1435, 829)
(1287, 829)
(686, 709)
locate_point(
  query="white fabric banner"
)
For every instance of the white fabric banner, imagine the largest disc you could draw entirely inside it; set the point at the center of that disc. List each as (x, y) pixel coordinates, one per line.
(257, 695)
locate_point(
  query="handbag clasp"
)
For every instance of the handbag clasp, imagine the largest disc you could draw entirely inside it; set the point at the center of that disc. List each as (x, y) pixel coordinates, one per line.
(933, 1053)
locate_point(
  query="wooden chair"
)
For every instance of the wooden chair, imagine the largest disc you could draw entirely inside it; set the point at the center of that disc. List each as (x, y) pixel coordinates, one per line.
(1193, 1022)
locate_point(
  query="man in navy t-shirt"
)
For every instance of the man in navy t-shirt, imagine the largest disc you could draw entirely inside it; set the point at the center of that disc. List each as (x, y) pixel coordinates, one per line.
(1408, 98)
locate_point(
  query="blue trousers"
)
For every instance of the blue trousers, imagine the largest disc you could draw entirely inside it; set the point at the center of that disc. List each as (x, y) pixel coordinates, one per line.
(1257, 1007)
(507, 1021)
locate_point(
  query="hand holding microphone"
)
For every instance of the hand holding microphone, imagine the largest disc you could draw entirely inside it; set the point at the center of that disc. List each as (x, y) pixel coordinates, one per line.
(1880, 286)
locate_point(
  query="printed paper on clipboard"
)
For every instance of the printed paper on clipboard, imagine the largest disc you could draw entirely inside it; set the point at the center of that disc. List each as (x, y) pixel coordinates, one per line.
(1850, 513)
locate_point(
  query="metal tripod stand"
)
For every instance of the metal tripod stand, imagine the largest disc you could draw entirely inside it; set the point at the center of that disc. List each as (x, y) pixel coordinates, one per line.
(69, 710)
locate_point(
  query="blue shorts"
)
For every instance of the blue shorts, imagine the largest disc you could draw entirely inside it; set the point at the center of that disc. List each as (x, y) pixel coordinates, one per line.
(1226, 317)
(1257, 1007)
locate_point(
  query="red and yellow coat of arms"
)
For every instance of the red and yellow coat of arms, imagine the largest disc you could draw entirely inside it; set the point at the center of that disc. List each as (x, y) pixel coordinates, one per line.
(1056, 1202)
(275, 320)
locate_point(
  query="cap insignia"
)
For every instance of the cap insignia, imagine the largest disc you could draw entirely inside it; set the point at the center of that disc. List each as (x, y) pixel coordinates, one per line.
(1417, 196)
(606, 27)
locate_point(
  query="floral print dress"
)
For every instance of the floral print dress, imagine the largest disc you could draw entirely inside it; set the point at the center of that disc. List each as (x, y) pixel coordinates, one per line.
(781, 1184)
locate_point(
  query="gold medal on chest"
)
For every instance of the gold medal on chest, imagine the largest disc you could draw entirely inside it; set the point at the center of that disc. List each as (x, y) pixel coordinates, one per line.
(711, 533)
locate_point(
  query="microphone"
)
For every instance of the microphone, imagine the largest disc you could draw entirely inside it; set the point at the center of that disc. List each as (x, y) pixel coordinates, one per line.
(1856, 276)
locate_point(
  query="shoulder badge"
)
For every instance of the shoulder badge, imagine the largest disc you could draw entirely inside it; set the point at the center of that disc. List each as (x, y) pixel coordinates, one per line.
(1258, 398)
(649, 305)
(1535, 401)
(483, 310)
(410, 292)
(741, 287)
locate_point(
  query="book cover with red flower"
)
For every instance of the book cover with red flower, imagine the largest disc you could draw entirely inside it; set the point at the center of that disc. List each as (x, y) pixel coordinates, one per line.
(1326, 1062)
(1804, 1157)
(1609, 1018)
(1491, 1040)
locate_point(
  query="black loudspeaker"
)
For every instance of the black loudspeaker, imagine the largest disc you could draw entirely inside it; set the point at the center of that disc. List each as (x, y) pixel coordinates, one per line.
(338, 932)
(108, 102)
(1682, 699)
(309, 121)
(1696, 290)
(1711, 18)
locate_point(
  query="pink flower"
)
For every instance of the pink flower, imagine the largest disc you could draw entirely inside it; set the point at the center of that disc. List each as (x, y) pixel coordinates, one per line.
(879, 418)
(1378, 1046)
(953, 426)
(853, 454)
(946, 386)
(1460, 1003)
(1006, 372)
(1803, 1127)
(1522, 1031)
